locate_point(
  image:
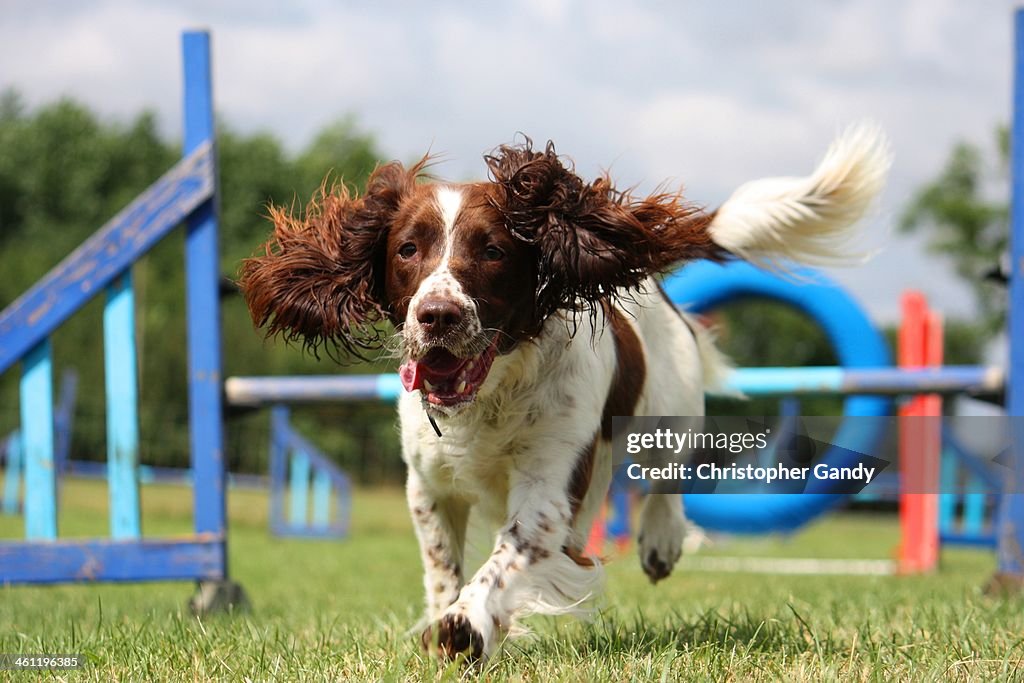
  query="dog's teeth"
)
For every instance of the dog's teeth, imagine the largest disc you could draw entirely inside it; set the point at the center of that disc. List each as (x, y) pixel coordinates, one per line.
(461, 388)
(469, 366)
(428, 385)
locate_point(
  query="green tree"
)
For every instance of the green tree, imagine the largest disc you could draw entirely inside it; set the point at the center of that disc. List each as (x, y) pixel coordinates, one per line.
(339, 151)
(964, 214)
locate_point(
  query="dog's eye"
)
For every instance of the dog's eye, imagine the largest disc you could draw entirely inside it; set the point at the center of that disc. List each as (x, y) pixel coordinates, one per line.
(493, 253)
(407, 250)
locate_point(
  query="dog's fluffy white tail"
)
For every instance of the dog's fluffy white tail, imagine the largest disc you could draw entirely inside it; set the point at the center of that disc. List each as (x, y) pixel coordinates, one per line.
(808, 219)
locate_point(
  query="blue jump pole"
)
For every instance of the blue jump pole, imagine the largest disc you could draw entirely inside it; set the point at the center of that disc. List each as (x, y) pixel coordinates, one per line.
(298, 489)
(321, 487)
(122, 410)
(203, 307)
(206, 422)
(278, 461)
(37, 444)
(1011, 511)
(948, 492)
(205, 379)
(252, 391)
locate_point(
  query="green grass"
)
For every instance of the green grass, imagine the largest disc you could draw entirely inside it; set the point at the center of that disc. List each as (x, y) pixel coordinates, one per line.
(341, 610)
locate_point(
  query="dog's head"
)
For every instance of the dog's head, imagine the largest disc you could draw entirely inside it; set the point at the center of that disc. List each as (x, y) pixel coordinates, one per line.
(463, 271)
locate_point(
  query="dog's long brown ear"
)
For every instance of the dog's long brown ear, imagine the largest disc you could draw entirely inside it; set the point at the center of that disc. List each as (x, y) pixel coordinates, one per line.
(592, 239)
(320, 280)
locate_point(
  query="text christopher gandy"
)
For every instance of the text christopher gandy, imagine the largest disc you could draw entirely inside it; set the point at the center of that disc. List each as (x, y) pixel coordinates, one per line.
(734, 472)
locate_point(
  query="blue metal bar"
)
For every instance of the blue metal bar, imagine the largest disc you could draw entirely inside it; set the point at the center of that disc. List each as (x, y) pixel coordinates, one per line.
(278, 463)
(202, 304)
(298, 489)
(786, 381)
(333, 531)
(750, 381)
(122, 408)
(37, 440)
(321, 500)
(12, 475)
(1011, 517)
(892, 381)
(974, 540)
(310, 388)
(90, 267)
(389, 386)
(200, 557)
(948, 491)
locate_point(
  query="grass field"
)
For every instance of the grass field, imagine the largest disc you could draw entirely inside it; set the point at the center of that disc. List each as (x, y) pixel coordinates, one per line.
(341, 611)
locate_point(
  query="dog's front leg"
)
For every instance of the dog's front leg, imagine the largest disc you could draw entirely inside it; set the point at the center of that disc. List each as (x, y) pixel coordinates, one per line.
(440, 524)
(531, 568)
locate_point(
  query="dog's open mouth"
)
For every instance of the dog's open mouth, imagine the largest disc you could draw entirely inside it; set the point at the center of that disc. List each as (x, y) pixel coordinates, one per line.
(444, 378)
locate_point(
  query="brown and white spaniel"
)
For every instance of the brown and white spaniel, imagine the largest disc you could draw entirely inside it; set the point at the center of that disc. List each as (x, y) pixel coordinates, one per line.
(527, 317)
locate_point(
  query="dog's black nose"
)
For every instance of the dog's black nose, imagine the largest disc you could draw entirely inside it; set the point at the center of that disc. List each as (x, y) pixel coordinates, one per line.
(437, 316)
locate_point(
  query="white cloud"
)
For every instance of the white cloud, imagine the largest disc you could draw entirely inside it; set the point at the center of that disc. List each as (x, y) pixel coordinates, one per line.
(729, 139)
(118, 58)
(549, 12)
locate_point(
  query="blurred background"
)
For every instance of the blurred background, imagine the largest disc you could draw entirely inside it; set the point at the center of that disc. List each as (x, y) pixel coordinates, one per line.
(706, 95)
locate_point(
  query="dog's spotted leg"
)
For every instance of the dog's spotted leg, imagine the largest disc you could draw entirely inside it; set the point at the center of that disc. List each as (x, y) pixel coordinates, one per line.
(531, 569)
(440, 525)
(660, 541)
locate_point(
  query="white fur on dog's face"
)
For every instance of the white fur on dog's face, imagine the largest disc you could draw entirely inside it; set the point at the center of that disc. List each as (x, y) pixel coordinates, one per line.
(462, 285)
(442, 284)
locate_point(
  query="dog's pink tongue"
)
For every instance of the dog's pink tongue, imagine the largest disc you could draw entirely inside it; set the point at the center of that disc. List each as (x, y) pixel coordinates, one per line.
(411, 375)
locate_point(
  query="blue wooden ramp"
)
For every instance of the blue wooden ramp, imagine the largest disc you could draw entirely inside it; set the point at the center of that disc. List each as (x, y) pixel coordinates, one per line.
(102, 266)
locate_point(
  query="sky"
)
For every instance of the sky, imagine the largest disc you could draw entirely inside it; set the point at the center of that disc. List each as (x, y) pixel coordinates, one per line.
(707, 95)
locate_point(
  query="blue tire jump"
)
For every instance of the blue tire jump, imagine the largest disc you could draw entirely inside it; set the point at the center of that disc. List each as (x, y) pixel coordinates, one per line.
(702, 286)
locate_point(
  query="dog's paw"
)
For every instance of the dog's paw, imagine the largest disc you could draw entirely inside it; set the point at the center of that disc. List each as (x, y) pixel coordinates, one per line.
(656, 568)
(452, 635)
(661, 536)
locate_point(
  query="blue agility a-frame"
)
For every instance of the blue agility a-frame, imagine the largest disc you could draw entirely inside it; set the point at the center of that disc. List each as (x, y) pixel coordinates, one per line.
(187, 193)
(298, 468)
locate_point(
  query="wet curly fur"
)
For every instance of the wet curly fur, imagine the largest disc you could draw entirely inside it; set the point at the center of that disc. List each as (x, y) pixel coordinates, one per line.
(593, 242)
(320, 278)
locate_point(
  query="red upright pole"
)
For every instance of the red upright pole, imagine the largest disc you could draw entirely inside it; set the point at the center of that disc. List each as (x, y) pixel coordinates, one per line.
(920, 345)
